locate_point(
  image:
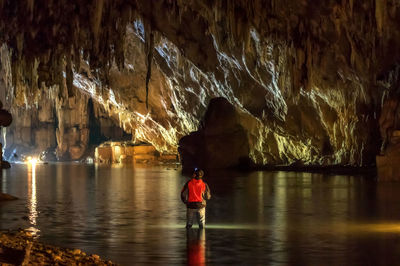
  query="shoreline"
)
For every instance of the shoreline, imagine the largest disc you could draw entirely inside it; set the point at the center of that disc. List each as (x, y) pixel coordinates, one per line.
(7, 197)
(21, 248)
(327, 169)
(339, 170)
(369, 171)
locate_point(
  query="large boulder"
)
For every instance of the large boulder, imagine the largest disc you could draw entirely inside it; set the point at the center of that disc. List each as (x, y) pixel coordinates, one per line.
(5, 121)
(221, 142)
(5, 118)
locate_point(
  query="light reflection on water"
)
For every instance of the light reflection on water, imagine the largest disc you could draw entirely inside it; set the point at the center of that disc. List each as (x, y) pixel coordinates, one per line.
(134, 216)
(32, 201)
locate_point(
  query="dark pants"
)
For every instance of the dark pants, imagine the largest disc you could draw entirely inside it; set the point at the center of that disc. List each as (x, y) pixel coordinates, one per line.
(200, 216)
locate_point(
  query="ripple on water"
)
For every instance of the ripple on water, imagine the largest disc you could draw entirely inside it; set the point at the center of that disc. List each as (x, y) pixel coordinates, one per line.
(134, 216)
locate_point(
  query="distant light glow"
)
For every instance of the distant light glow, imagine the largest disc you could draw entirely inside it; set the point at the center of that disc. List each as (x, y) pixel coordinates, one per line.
(89, 160)
(31, 160)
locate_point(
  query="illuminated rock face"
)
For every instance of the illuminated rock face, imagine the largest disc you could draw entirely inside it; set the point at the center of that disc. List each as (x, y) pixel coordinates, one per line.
(59, 129)
(306, 79)
(129, 153)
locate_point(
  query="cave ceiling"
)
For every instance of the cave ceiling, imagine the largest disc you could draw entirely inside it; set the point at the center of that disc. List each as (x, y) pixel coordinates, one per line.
(309, 77)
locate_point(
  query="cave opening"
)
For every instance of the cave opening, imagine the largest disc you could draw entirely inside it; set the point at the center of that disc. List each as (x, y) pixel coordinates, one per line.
(95, 135)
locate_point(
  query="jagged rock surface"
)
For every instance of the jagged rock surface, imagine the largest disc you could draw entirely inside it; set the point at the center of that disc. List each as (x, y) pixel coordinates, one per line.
(310, 76)
(57, 129)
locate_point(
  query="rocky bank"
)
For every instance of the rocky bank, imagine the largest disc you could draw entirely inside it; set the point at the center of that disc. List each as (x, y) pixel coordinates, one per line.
(20, 248)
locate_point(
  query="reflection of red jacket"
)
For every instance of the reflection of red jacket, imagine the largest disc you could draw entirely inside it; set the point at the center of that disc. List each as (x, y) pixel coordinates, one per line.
(195, 193)
(196, 254)
(196, 248)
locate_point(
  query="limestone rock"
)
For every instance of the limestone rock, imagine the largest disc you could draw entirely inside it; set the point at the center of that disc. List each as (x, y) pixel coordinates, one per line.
(310, 76)
(128, 153)
(222, 142)
(54, 125)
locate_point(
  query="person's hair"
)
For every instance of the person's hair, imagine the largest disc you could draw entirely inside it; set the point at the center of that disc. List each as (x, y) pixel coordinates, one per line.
(198, 173)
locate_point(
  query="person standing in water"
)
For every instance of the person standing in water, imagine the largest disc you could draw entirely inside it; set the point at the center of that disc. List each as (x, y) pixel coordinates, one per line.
(194, 194)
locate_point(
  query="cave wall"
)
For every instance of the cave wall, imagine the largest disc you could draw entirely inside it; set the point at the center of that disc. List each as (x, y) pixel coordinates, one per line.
(310, 77)
(57, 130)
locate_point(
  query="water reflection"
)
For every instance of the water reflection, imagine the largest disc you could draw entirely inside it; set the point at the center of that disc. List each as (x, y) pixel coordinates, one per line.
(196, 247)
(135, 217)
(3, 181)
(33, 213)
(279, 218)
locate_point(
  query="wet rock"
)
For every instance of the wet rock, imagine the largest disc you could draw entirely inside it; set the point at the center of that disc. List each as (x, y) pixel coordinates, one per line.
(20, 248)
(76, 252)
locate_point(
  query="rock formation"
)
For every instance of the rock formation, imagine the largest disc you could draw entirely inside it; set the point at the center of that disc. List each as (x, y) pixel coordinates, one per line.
(130, 153)
(309, 78)
(5, 121)
(59, 129)
(225, 130)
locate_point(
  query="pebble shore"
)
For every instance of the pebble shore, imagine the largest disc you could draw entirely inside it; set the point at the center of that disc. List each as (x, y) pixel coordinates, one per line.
(21, 248)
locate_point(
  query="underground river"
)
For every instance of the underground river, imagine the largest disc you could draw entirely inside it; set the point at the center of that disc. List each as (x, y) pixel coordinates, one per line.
(134, 215)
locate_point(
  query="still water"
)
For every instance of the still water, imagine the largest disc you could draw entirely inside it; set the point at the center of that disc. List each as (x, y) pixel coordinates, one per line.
(133, 216)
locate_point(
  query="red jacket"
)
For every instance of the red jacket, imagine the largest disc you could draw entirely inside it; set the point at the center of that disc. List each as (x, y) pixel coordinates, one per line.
(195, 193)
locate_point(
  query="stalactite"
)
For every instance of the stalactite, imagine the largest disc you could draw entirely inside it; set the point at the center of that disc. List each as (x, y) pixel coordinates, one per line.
(15, 76)
(351, 4)
(121, 32)
(69, 75)
(149, 52)
(77, 59)
(30, 7)
(380, 15)
(5, 60)
(325, 59)
(230, 14)
(96, 22)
